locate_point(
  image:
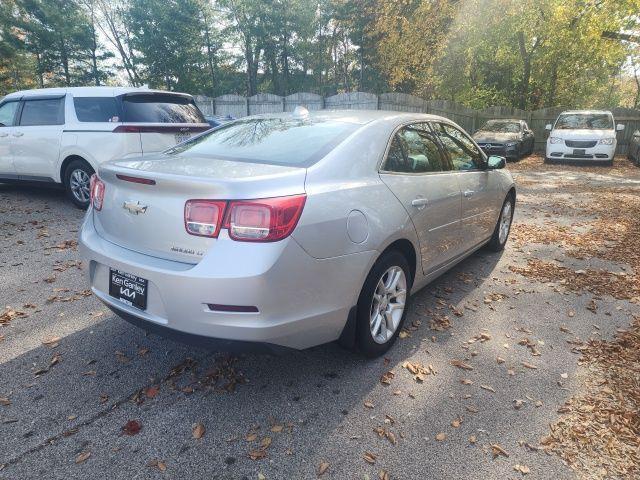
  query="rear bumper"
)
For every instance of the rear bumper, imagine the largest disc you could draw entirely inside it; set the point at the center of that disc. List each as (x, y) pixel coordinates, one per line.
(301, 301)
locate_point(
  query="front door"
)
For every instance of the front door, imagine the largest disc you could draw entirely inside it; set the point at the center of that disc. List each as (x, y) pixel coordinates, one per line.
(478, 187)
(417, 173)
(8, 112)
(36, 138)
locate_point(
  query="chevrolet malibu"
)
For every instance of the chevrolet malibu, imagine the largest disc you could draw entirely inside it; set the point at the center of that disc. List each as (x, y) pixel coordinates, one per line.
(292, 230)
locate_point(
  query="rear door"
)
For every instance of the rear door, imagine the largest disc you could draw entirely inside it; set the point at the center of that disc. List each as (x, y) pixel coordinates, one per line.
(417, 172)
(162, 119)
(8, 113)
(36, 138)
(478, 187)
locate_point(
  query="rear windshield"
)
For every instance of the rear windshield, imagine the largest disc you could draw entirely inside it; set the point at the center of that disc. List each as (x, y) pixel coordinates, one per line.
(501, 127)
(591, 121)
(278, 141)
(159, 108)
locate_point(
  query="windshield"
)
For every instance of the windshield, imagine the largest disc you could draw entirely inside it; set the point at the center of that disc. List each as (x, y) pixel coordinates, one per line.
(501, 127)
(278, 141)
(589, 121)
(160, 108)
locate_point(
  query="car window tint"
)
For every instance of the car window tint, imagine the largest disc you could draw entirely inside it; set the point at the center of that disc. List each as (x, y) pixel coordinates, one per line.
(414, 150)
(96, 109)
(8, 113)
(43, 112)
(159, 108)
(462, 151)
(277, 141)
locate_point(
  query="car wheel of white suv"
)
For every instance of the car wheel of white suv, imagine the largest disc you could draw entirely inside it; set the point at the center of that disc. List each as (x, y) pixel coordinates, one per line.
(76, 180)
(382, 304)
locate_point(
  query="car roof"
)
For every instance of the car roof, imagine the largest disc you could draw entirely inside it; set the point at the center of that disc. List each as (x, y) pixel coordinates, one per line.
(515, 120)
(85, 91)
(360, 117)
(587, 112)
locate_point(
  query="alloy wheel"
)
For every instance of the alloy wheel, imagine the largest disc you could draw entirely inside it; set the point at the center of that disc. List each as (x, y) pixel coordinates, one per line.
(387, 305)
(505, 222)
(79, 184)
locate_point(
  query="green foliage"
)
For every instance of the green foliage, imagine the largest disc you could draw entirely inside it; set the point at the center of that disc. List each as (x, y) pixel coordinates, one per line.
(524, 53)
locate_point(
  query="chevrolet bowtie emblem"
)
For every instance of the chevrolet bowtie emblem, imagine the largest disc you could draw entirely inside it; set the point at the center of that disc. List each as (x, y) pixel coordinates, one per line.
(134, 207)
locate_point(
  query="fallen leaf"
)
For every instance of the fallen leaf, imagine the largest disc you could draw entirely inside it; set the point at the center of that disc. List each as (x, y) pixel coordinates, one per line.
(488, 388)
(82, 457)
(369, 404)
(322, 468)
(51, 342)
(276, 428)
(461, 364)
(265, 442)
(523, 469)
(498, 450)
(441, 436)
(197, 430)
(159, 464)
(257, 454)
(132, 427)
(370, 457)
(473, 439)
(4, 401)
(151, 391)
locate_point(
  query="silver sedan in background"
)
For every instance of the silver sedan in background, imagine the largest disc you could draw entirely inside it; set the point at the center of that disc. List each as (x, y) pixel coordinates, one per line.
(293, 230)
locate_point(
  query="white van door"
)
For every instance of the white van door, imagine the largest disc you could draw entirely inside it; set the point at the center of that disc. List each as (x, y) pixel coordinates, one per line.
(8, 112)
(36, 137)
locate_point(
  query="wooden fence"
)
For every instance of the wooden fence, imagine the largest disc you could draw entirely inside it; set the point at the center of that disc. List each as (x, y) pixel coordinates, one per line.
(470, 119)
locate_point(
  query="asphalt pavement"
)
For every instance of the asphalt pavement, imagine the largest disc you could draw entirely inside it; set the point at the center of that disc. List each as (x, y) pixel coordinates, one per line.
(88, 395)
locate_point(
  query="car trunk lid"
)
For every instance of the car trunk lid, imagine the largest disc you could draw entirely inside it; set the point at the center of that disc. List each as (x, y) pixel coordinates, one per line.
(143, 208)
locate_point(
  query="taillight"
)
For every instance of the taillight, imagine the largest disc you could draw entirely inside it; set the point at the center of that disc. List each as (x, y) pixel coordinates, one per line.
(204, 217)
(96, 191)
(265, 220)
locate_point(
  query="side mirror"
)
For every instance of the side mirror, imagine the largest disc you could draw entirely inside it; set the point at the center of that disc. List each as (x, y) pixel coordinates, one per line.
(2, 125)
(495, 162)
(548, 126)
(620, 127)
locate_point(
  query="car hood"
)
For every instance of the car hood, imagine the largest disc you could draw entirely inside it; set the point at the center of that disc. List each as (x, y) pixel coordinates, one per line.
(582, 134)
(495, 137)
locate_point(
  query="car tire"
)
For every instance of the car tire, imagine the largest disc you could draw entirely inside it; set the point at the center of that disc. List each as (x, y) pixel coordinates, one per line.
(503, 225)
(376, 332)
(76, 182)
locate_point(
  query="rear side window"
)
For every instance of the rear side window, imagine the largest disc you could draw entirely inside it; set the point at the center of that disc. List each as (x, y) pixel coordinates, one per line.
(96, 109)
(8, 113)
(462, 151)
(414, 150)
(277, 141)
(158, 108)
(48, 111)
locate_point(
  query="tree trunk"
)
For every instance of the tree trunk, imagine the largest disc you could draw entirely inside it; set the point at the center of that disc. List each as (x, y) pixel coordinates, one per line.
(526, 72)
(210, 52)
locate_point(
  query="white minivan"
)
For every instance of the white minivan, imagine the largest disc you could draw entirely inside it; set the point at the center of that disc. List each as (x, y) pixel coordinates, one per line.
(61, 135)
(583, 135)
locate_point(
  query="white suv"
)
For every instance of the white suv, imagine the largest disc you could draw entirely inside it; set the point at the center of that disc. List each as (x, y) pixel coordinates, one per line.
(61, 135)
(583, 135)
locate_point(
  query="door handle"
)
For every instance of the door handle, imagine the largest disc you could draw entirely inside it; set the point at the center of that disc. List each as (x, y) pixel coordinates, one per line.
(419, 203)
(18, 134)
(468, 193)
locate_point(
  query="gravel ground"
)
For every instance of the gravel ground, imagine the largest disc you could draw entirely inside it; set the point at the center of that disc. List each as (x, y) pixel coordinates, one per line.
(72, 374)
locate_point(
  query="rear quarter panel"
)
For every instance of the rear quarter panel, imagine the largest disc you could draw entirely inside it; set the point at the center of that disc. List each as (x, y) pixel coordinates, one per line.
(349, 209)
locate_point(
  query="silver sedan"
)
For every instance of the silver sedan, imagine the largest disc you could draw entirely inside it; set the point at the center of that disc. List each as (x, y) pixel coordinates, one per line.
(293, 230)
